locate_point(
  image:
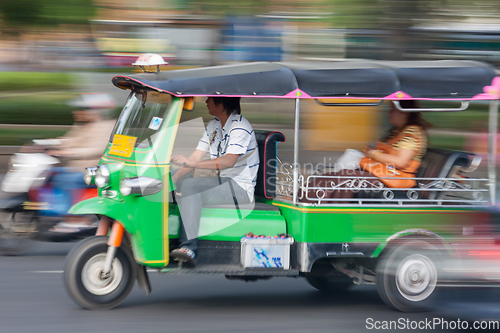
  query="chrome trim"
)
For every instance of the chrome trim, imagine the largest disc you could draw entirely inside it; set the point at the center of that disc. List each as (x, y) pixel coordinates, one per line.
(303, 257)
(296, 152)
(103, 171)
(345, 254)
(350, 104)
(309, 253)
(109, 194)
(492, 147)
(463, 106)
(413, 232)
(474, 164)
(89, 174)
(108, 262)
(357, 205)
(143, 186)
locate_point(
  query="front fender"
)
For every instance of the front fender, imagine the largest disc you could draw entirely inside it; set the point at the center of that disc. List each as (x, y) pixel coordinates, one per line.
(103, 206)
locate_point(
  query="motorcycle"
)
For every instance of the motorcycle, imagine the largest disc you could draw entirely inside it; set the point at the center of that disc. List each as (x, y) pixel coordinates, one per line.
(31, 205)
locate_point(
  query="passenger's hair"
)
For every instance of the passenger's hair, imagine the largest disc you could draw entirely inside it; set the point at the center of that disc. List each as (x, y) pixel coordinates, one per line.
(415, 118)
(230, 104)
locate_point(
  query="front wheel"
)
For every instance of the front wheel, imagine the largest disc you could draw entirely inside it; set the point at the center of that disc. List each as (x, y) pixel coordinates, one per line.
(83, 279)
(407, 276)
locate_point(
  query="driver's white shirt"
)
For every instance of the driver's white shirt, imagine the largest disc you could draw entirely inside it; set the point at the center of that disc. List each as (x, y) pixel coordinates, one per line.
(237, 137)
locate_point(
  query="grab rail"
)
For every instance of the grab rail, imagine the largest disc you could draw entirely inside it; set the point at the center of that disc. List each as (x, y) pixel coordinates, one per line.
(463, 106)
(349, 104)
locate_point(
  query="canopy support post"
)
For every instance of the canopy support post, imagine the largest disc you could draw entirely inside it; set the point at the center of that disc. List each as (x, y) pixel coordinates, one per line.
(492, 147)
(296, 152)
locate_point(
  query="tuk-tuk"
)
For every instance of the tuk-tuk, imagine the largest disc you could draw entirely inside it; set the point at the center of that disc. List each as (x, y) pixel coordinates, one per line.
(398, 239)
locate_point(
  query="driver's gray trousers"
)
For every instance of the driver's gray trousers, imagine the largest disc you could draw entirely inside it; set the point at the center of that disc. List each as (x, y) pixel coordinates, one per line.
(196, 192)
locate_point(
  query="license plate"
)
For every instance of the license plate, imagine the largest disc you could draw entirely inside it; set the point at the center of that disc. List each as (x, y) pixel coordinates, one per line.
(123, 145)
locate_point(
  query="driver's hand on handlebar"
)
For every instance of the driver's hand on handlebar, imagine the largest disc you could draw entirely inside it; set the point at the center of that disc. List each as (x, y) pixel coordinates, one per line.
(180, 160)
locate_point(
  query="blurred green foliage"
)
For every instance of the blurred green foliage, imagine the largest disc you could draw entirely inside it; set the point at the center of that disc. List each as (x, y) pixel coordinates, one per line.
(35, 98)
(20, 15)
(447, 142)
(19, 136)
(257, 112)
(40, 108)
(227, 7)
(56, 12)
(474, 119)
(21, 81)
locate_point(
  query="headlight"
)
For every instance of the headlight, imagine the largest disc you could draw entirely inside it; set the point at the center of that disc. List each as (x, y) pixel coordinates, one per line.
(140, 186)
(102, 176)
(89, 174)
(125, 188)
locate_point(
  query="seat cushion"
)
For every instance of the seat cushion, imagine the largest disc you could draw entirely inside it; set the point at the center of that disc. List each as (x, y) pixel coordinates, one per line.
(267, 142)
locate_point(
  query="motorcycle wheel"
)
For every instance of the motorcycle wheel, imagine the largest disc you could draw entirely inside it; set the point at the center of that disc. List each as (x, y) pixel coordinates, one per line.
(17, 231)
(83, 280)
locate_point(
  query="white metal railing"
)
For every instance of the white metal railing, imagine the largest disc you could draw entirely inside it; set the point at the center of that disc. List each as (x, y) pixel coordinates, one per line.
(284, 181)
(436, 191)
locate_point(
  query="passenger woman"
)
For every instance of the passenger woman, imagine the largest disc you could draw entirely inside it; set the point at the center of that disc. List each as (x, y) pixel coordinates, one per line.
(395, 157)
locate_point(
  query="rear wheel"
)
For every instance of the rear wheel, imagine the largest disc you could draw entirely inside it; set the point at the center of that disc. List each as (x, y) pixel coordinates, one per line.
(16, 232)
(407, 276)
(83, 279)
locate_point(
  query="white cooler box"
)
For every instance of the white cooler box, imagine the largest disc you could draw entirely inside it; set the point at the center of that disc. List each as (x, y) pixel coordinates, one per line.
(266, 252)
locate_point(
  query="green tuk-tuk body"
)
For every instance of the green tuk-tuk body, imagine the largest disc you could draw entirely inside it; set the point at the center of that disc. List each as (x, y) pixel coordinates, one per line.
(332, 243)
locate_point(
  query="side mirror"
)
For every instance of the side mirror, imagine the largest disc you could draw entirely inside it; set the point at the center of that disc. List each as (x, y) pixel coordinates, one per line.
(188, 104)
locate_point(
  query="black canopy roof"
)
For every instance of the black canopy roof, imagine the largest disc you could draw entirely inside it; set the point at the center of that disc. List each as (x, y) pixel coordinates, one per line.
(445, 79)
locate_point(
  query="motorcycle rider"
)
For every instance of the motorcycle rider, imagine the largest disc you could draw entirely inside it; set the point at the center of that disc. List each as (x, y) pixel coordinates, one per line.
(82, 146)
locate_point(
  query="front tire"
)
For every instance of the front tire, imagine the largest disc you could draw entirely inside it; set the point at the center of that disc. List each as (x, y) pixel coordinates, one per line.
(83, 280)
(407, 276)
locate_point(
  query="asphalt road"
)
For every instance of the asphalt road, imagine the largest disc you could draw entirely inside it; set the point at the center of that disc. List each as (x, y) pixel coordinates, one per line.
(33, 299)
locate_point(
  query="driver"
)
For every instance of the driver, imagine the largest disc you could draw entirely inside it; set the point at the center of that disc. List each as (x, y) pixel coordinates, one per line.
(234, 158)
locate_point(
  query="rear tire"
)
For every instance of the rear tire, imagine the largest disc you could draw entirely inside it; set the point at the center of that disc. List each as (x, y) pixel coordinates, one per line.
(17, 231)
(83, 280)
(407, 276)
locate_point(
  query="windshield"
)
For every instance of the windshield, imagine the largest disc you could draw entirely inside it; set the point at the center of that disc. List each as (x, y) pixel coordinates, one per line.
(142, 116)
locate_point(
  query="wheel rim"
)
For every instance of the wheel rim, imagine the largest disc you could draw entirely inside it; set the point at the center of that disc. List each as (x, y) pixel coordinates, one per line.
(416, 277)
(92, 275)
